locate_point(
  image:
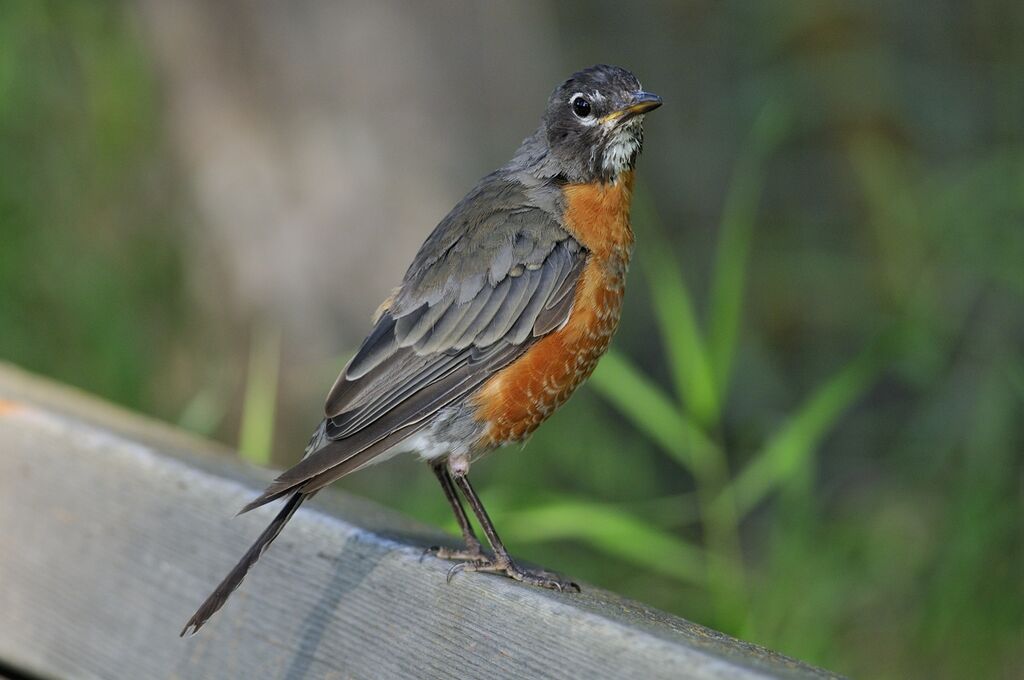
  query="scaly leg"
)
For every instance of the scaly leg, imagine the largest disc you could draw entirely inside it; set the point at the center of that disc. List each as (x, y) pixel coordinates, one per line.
(502, 562)
(473, 550)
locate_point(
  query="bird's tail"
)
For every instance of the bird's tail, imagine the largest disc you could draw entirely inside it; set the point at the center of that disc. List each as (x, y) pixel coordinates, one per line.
(220, 595)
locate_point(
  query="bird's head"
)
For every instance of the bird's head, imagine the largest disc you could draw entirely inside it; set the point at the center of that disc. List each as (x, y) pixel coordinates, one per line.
(593, 123)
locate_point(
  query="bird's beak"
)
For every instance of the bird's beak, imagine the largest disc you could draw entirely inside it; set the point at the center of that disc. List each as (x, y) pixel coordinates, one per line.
(642, 102)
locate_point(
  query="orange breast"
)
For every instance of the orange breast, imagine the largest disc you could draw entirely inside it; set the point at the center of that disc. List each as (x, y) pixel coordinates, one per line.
(514, 402)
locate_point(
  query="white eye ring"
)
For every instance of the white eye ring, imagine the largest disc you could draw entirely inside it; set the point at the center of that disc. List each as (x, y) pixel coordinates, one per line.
(582, 108)
(588, 117)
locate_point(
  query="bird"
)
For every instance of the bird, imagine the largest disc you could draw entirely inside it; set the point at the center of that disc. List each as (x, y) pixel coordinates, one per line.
(505, 310)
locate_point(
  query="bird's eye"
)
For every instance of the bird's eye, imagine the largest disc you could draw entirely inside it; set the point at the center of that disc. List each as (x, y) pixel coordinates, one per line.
(580, 106)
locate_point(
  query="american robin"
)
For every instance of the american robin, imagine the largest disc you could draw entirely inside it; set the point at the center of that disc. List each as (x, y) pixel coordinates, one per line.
(505, 310)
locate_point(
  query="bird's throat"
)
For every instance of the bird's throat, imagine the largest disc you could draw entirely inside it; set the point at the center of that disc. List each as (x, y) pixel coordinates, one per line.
(597, 215)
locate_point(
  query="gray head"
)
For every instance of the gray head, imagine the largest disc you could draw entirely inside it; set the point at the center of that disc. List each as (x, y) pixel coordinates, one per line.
(593, 126)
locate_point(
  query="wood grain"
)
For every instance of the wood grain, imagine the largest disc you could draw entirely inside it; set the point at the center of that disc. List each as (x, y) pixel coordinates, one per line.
(113, 528)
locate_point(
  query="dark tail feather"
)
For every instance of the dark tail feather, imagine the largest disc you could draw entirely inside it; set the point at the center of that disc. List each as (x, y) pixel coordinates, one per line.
(220, 595)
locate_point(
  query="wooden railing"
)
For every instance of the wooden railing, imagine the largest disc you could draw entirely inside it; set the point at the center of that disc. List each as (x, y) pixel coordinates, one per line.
(114, 527)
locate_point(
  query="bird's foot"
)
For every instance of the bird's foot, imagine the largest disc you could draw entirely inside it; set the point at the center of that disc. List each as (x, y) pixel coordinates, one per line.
(506, 566)
(473, 552)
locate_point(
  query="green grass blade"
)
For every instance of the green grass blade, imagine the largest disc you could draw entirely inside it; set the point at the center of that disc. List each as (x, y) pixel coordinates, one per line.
(677, 318)
(651, 410)
(610, 531)
(733, 251)
(792, 446)
(256, 433)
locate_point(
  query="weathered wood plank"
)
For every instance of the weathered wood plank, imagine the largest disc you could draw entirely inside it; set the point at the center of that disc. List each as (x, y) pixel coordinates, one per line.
(113, 528)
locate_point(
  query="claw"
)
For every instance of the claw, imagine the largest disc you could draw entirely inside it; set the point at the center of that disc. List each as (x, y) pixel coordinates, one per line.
(453, 570)
(506, 567)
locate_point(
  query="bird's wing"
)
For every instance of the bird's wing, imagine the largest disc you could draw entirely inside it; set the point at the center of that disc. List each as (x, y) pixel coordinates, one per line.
(493, 277)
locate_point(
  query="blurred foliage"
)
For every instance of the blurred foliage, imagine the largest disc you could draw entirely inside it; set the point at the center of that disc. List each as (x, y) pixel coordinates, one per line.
(90, 272)
(256, 432)
(809, 433)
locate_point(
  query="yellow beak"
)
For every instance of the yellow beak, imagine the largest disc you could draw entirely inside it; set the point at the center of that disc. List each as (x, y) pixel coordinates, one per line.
(642, 103)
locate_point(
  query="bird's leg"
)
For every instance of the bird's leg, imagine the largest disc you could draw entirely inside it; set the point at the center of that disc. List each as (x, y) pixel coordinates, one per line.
(473, 550)
(502, 562)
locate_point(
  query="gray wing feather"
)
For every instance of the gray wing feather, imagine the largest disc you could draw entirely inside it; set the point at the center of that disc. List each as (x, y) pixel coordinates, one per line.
(379, 401)
(500, 264)
(452, 325)
(523, 248)
(519, 289)
(424, 325)
(546, 278)
(457, 337)
(559, 304)
(377, 347)
(494, 303)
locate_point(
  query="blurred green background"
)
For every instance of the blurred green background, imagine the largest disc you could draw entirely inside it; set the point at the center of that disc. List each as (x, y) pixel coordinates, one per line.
(809, 432)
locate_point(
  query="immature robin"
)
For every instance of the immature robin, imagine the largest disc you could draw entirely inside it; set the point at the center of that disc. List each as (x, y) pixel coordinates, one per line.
(506, 309)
